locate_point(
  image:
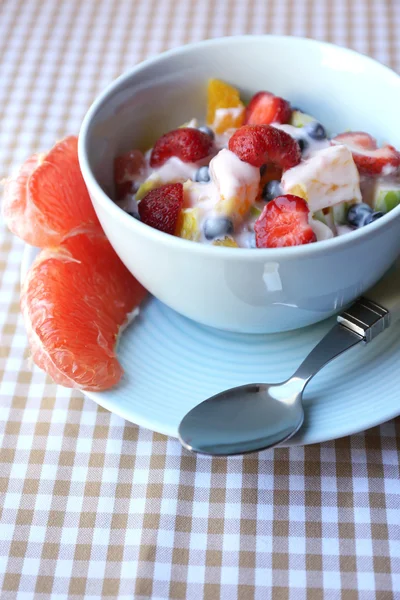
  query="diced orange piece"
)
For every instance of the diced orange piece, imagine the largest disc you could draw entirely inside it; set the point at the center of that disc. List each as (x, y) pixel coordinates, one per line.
(221, 95)
(227, 241)
(187, 226)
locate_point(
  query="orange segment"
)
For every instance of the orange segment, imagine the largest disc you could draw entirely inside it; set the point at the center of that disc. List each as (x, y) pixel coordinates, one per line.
(227, 241)
(221, 95)
(230, 118)
(47, 198)
(188, 225)
(74, 300)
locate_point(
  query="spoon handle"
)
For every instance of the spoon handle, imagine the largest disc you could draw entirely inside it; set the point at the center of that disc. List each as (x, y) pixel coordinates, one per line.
(337, 340)
(362, 322)
(372, 314)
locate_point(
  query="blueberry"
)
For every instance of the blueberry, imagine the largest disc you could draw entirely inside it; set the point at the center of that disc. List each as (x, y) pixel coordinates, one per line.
(207, 130)
(263, 170)
(315, 130)
(303, 144)
(271, 190)
(373, 217)
(216, 227)
(358, 213)
(252, 241)
(135, 215)
(202, 175)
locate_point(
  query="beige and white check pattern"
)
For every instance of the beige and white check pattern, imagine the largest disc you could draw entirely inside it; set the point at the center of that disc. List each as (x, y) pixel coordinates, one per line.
(93, 507)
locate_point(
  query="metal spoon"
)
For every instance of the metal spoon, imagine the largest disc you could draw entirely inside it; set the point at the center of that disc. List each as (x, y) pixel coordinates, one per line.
(258, 416)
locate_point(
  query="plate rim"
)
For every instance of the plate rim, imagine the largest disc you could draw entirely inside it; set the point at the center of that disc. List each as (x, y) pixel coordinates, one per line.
(28, 255)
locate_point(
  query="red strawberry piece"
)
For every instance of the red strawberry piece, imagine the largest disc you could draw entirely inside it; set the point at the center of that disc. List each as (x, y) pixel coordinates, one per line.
(370, 159)
(265, 108)
(123, 189)
(126, 167)
(260, 144)
(161, 207)
(187, 143)
(358, 139)
(383, 161)
(284, 222)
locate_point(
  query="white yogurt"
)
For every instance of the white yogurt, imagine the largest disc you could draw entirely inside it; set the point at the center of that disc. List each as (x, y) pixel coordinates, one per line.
(237, 183)
(322, 231)
(297, 133)
(325, 177)
(174, 170)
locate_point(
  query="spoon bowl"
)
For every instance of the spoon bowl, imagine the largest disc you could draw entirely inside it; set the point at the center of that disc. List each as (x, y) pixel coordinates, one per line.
(244, 419)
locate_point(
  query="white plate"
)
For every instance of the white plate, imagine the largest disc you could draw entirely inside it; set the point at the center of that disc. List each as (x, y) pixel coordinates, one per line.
(172, 363)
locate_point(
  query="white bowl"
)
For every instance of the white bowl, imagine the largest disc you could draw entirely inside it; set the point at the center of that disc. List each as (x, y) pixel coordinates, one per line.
(243, 290)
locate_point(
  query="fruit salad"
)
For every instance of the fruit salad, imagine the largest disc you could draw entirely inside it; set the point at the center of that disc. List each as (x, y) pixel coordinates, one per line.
(265, 175)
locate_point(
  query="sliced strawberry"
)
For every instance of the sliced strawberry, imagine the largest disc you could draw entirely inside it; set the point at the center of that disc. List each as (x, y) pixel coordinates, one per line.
(123, 189)
(370, 159)
(284, 222)
(187, 143)
(260, 144)
(358, 139)
(126, 167)
(160, 208)
(265, 108)
(383, 161)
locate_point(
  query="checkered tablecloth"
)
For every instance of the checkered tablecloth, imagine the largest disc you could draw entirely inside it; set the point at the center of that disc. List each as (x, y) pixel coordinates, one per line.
(94, 507)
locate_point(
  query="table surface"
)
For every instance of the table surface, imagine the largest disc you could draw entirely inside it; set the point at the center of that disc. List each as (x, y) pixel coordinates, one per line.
(95, 507)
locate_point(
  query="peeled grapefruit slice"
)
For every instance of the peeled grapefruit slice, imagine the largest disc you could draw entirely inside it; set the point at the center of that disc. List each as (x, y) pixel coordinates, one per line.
(74, 300)
(47, 197)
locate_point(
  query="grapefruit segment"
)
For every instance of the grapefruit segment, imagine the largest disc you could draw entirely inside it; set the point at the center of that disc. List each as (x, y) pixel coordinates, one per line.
(75, 299)
(47, 198)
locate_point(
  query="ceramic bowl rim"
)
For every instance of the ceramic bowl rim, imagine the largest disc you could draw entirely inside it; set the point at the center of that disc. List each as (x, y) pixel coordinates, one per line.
(121, 217)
